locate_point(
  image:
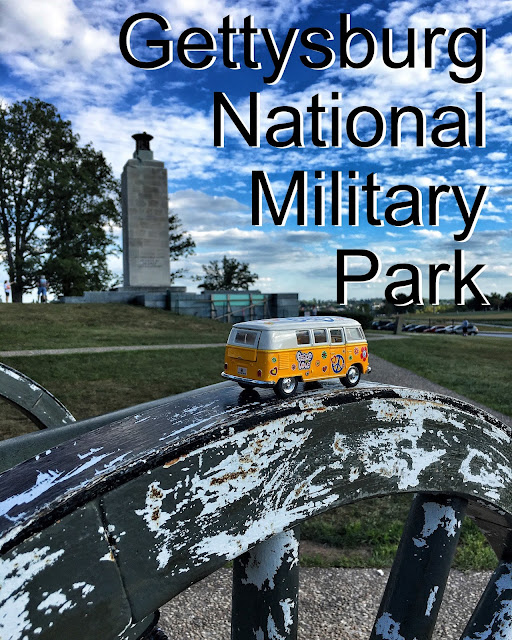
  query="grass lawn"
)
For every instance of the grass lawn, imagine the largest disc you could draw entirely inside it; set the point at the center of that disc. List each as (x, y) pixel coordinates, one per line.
(53, 326)
(367, 533)
(479, 368)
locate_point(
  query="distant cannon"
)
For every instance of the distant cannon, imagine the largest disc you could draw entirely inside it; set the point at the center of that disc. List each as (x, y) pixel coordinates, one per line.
(105, 520)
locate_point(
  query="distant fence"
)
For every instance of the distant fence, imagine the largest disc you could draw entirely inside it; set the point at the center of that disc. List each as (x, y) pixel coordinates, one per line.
(226, 306)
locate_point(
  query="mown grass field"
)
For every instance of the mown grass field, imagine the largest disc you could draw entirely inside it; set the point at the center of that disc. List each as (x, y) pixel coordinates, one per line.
(365, 534)
(52, 326)
(479, 368)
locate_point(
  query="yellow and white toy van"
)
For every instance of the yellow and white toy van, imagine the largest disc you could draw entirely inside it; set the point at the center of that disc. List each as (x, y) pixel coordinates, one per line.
(281, 352)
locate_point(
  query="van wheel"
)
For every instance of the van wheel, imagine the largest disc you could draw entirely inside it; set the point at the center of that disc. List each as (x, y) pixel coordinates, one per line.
(286, 387)
(353, 376)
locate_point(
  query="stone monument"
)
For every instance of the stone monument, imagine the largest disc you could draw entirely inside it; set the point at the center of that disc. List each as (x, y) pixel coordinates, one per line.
(145, 219)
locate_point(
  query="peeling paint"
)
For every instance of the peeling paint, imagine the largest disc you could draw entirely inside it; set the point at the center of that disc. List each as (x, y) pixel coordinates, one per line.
(272, 632)
(394, 453)
(262, 568)
(251, 480)
(56, 600)
(504, 582)
(431, 600)
(84, 587)
(230, 481)
(438, 516)
(46, 481)
(478, 467)
(500, 626)
(388, 628)
(287, 606)
(16, 575)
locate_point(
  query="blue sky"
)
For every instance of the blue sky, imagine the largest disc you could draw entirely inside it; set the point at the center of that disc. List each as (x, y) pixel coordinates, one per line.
(66, 52)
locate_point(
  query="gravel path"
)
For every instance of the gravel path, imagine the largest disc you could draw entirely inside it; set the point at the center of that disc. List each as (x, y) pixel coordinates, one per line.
(334, 604)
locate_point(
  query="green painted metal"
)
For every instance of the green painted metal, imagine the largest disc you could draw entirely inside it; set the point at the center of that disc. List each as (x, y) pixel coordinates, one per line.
(265, 598)
(63, 583)
(416, 584)
(179, 489)
(32, 399)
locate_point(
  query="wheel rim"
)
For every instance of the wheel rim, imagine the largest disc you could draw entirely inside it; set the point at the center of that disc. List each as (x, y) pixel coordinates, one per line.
(288, 385)
(353, 375)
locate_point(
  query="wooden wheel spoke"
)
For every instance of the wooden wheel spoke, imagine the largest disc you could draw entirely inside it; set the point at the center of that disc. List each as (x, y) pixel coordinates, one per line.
(416, 584)
(266, 589)
(492, 617)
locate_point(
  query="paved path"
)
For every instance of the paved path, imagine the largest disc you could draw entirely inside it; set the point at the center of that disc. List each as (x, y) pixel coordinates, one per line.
(383, 371)
(146, 347)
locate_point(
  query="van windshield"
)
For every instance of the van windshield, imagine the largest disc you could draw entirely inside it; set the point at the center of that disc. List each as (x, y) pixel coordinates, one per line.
(244, 337)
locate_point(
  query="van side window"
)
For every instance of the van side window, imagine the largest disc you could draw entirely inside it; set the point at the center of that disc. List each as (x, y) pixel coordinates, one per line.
(320, 336)
(302, 337)
(354, 334)
(337, 336)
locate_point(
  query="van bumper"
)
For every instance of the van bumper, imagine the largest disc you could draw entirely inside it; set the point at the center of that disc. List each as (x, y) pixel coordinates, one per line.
(369, 369)
(255, 383)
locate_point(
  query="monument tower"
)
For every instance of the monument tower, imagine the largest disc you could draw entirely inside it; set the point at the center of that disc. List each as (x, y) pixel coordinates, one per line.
(145, 219)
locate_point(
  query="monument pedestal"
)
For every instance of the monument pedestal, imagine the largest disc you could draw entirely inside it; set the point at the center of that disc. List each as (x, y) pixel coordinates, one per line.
(145, 220)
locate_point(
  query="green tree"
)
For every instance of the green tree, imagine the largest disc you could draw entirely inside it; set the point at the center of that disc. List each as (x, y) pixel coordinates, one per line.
(57, 202)
(180, 244)
(229, 275)
(496, 300)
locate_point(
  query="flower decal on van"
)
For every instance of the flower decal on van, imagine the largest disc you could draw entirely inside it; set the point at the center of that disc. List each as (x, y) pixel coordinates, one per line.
(304, 359)
(364, 354)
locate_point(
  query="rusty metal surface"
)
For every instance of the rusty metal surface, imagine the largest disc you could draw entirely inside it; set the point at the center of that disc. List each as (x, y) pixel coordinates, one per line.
(203, 478)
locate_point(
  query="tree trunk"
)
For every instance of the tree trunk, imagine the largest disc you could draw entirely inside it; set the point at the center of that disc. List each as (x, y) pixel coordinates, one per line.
(17, 292)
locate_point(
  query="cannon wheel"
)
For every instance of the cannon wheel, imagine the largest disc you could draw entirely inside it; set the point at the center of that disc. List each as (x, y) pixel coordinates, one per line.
(38, 404)
(119, 521)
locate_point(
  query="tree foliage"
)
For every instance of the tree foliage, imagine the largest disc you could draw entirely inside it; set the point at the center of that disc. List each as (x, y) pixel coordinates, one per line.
(57, 202)
(229, 275)
(180, 244)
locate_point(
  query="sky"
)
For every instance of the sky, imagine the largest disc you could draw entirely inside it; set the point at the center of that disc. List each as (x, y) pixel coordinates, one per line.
(67, 52)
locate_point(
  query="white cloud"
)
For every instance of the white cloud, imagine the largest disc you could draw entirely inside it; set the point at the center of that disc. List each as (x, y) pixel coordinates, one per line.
(497, 156)
(53, 33)
(430, 234)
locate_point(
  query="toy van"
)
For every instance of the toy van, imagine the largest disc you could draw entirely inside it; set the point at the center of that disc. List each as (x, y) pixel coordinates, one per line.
(281, 352)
